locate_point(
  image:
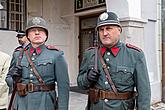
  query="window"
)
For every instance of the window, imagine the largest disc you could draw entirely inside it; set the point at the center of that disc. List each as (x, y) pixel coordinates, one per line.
(3, 14)
(12, 14)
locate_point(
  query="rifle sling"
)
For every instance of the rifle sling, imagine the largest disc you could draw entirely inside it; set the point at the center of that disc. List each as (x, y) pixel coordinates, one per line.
(104, 66)
(96, 57)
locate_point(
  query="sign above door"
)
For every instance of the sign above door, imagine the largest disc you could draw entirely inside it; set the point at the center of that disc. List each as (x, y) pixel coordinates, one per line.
(81, 5)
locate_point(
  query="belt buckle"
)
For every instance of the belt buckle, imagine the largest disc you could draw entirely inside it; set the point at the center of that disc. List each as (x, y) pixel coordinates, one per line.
(102, 94)
(30, 87)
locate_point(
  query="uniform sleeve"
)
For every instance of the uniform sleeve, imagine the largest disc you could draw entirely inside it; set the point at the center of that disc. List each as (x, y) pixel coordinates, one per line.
(62, 82)
(82, 76)
(9, 79)
(4, 71)
(142, 85)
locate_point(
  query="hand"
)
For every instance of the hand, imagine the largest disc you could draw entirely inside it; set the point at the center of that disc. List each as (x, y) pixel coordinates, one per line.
(16, 73)
(93, 75)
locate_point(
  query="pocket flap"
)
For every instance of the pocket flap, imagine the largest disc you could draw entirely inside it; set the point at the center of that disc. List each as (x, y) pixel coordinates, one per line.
(45, 62)
(125, 69)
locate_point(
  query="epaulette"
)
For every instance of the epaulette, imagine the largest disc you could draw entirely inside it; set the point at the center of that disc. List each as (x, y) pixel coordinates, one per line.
(133, 47)
(90, 48)
(18, 48)
(52, 47)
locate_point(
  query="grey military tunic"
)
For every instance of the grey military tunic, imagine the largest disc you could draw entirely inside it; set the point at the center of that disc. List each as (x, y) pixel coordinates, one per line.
(52, 67)
(127, 67)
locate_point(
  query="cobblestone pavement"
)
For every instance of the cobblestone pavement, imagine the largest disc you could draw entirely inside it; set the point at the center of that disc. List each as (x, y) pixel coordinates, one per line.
(158, 106)
(78, 102)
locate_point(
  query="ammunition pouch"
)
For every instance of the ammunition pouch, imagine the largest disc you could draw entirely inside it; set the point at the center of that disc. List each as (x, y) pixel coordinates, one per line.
(21, 88)
(94, 95)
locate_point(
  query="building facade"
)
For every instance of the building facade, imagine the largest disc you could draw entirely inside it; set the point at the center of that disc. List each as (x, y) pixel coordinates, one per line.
(72, 23)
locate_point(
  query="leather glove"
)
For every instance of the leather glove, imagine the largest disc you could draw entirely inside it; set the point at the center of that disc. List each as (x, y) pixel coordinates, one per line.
(93, 75)
(16, 73)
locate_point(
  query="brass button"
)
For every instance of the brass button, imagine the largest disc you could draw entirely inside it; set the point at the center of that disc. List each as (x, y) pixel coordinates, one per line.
(107, 59)
(108, 53)
(34, 54)
(105, 100)
(33, 58)
(106, 82)
(31, 75)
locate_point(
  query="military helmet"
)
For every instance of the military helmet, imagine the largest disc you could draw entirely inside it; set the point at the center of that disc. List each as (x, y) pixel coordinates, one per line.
(108, 18)
(37, 22)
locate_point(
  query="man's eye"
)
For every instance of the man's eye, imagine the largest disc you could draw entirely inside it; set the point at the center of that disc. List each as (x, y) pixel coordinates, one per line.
(101, 29)
(108, 28)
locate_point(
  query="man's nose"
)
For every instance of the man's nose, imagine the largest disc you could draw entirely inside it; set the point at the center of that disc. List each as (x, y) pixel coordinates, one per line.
(105, 32)
(36, 32)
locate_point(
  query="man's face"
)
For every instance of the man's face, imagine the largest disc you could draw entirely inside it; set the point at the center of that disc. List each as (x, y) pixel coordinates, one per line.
(22, 40)
(37, 35)
(109, 35)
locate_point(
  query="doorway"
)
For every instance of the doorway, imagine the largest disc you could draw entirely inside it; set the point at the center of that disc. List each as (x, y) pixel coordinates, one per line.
(87, 32)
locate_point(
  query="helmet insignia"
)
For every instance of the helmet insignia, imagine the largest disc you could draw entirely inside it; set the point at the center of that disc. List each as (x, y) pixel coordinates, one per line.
(36, 21)
(117, 19)
(104, 16)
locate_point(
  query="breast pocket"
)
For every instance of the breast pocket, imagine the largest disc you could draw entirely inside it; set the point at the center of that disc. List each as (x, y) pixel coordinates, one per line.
(46, 67)
(125, 74)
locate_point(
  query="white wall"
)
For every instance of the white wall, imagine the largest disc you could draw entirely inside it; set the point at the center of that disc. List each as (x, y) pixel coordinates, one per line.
(128, 8)
(152, 45)
(67, 15)
(8, 41)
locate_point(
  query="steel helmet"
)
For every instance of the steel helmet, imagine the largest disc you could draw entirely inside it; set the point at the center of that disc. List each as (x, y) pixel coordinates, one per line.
(37, 22)
(108, 18)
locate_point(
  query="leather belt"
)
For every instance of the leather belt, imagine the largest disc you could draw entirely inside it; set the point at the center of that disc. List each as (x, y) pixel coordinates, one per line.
(102, 94)
(35, 88)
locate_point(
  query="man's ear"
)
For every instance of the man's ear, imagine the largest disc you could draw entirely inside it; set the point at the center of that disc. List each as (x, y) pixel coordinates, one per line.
(119, 29)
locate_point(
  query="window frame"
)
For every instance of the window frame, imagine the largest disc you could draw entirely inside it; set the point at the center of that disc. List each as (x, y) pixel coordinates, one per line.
(15, 12)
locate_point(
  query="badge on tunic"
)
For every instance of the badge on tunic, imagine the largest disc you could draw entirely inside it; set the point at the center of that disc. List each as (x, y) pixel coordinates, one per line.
(104, 16)
(36, 21)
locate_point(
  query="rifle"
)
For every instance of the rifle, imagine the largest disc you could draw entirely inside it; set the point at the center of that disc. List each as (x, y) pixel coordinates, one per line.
(95, 44)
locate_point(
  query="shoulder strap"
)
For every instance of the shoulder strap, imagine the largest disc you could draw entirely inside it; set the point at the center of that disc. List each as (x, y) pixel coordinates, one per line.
(20, 56)
(52, 47)
(107, 73)
(133, 47)
(34, 69)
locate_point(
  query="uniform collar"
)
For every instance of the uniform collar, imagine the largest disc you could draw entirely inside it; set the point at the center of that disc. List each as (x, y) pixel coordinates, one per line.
(114, 50)
(38, 49)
